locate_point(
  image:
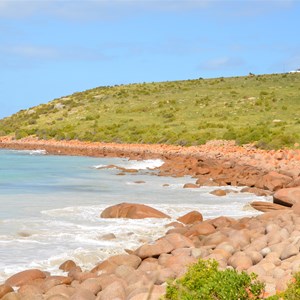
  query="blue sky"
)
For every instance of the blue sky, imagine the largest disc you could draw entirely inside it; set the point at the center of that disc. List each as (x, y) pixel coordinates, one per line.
(50, 49)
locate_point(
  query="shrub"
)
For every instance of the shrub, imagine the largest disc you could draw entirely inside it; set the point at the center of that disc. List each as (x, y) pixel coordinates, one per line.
(204, 281)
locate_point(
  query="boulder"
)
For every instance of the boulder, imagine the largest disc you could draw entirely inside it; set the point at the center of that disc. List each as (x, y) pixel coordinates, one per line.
(221, 222)
(114, 291)
(67, 265)
(24, 277)
(241, 262)
(132, 211)
(30, 291)
(288, 251)
(287, 197)
(202, 171)
(110, 265)
(179, 241)
(5, 289)
(158, 247)
(190, 186)
(62, 291)
(266, 206)
(256, 191)
(274, 181)
(191, 217)
(52, 281)
(218, 193)
(204, 181)
(203, 228)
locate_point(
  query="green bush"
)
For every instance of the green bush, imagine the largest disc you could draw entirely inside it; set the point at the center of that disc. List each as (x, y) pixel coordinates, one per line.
(291, 293)
(204, 281)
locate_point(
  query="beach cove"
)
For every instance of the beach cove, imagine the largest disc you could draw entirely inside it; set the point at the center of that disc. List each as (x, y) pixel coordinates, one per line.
(214, 164)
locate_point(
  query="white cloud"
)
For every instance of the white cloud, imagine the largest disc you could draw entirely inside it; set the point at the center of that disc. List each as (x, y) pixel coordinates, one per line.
(90, 10)
(30, 55)
(221, 63)
(93, 9)
(28, 51)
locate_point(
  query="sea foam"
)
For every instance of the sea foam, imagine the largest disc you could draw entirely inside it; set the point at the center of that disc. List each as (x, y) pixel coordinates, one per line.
(148, 164)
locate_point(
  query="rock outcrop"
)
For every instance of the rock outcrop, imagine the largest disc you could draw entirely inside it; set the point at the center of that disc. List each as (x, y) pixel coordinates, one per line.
(132, 211)
(287, 197)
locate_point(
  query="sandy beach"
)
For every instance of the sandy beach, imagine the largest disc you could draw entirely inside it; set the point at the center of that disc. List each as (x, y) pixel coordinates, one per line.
(267, 244)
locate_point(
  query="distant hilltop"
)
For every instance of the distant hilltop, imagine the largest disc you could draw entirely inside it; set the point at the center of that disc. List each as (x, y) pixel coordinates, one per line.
(259, 109)
(295, 71)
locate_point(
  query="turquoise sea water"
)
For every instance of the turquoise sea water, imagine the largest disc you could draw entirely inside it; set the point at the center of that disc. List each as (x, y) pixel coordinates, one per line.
(50, 207)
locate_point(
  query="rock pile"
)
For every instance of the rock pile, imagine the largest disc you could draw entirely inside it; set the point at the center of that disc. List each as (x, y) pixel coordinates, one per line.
(267, 245)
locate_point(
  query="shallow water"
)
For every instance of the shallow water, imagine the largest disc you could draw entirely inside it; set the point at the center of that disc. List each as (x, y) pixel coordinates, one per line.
(50, 207)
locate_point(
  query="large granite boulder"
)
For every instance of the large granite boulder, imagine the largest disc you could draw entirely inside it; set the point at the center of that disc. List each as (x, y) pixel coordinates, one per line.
(132, 211)
(274, 181)
(287, 197)
(191, 217)
(23, 277)
(266, 206)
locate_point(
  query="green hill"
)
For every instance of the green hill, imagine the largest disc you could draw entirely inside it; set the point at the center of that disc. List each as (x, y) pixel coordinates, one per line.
(263, 109)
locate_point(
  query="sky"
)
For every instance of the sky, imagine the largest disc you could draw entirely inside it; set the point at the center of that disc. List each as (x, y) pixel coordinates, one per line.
(50, 49)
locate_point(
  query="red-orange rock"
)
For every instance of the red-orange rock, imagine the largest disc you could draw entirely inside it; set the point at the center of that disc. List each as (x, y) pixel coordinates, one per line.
(132, 211)
(158, 247)
(203, 171)
(218, 193)
(24, 277)
(109, 265)
(203, 228)
(190, 186)
(256, 191)
(5, 289)
(266, 206)
(52, 281)
(179, 241)
(274, 181)
(67, 265)
(191, 217)
(222, 222)
(206, 182)
(287, 197)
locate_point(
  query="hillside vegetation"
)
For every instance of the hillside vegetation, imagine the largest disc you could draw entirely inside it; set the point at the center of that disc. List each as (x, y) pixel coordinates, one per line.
(264, 109)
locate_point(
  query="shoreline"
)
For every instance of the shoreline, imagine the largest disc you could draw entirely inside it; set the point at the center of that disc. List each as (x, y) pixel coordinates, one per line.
(257, 244)
(218, 163)
(223, 151)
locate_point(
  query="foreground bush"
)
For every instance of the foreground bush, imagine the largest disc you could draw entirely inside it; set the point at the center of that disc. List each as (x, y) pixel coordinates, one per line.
(292, 292)
(204, 281)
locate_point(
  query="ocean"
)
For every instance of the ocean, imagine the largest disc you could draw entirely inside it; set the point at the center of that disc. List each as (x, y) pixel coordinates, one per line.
(51, 206)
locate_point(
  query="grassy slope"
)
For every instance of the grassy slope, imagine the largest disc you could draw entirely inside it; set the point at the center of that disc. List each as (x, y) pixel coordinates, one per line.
(182, 112)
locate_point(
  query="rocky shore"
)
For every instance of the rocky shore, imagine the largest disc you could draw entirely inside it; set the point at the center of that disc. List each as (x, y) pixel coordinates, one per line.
(267, 244)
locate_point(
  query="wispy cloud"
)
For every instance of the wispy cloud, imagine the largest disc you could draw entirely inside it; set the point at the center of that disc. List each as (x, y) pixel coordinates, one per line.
(103, 10)
(24, 56)
(221, 63)
(84, 10)
(36, 52)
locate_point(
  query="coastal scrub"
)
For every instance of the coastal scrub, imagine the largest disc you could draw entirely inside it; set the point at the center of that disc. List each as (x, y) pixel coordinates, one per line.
(204, 281)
